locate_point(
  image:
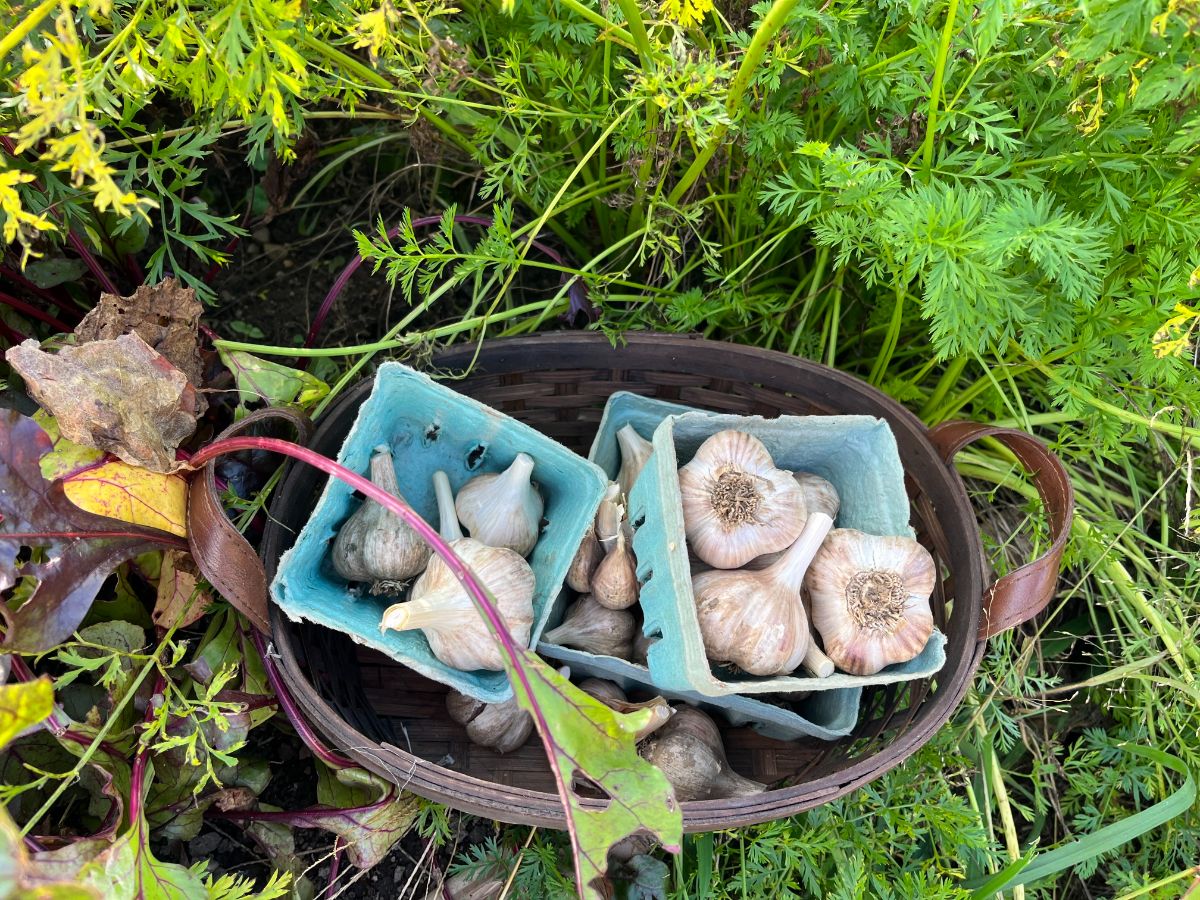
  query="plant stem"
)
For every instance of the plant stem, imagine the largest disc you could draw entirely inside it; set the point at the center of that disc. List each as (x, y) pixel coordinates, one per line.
(610, 29)
(935, 91)
(637, 28)
(947, 381)
(9, 42)
(771, 25)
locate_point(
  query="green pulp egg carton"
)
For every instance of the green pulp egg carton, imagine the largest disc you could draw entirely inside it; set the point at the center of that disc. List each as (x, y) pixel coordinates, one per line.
(824, 715)
(430, 427)
(857, 454)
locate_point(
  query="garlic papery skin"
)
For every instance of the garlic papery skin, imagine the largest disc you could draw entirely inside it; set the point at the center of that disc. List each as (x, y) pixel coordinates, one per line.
(441, 607)
(502, 727)
(635, 450)
(609, 516)
(755, 619)
(689, 751)
(870, 599)
(736, 504)
(587, 557)
(614, 583)
(504, 509)
(611, 695)
(593, 628)
(819, 496)
(375, 545)
(641, 649)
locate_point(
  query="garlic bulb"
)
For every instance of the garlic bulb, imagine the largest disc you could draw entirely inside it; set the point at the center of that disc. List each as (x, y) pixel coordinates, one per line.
(614, 583)
(755, 619)
(441, 607)
(504, 509)
(375, 545)
(587, 557)
(689, 752)
(614, 698)
(501, 726)
(819, 496)
(736, 504)
(870, 599)
(609, 517)
(635, 450)
(593, 628)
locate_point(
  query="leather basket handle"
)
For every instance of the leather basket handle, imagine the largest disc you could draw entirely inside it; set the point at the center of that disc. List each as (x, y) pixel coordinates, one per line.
(1023, 593)
(222, 554)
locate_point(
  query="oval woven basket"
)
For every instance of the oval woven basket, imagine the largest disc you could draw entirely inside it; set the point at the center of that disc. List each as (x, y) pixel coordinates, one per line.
(393, 721)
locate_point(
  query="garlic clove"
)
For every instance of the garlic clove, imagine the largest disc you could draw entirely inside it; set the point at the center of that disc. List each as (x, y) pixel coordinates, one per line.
(502, 727)
(593, 628)
(689, 751)
(441, 607)
(614, 698)
(503, 509)
(375, 545)
(583, 566)
(736, 504)
(635, 451)
(870, 599)
(615, 583)
(609, 516)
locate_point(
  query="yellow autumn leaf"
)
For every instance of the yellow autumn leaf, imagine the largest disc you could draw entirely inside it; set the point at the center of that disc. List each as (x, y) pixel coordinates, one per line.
(114, 489)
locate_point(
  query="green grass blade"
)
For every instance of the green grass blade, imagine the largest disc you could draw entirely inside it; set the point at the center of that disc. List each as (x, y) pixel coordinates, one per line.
(1109, 837)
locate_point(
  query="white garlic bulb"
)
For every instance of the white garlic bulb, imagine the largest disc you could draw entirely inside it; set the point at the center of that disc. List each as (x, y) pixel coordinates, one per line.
(819, 496)
(756, 619)
(593, 628)
(503, 509)
(614, 583)
(502, 727)
(442, 608)
(870, 599)
(689, 751)
(635, 450)
(736, 504)
(375, 545)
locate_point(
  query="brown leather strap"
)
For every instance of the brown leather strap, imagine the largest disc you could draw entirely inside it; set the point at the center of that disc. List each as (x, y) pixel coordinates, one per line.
(1023, 593)
(223, 555)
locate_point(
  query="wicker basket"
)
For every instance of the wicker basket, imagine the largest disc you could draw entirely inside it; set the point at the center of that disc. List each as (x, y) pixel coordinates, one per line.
(393, 721)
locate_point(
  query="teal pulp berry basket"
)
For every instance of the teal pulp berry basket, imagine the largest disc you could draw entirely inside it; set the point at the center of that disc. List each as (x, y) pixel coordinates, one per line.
(430, 427)
(857, 454)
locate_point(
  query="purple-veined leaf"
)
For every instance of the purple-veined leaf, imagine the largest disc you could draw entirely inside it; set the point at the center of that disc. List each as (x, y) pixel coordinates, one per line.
(80, 549)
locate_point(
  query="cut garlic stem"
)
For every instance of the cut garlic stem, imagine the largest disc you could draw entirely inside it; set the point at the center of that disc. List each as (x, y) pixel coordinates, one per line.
(816, 663)
(448, 526)
(635, 451)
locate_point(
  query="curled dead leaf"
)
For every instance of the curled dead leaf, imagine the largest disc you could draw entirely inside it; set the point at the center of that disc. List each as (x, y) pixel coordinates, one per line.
(165, 315)
(119, 395)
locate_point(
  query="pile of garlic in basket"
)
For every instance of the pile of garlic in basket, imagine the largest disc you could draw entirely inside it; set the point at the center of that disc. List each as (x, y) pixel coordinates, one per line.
(768, 568)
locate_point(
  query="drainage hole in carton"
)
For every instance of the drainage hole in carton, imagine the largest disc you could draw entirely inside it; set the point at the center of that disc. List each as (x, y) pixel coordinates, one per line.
(475, 456)
(638, 521)
(432, 432)
(643, 579)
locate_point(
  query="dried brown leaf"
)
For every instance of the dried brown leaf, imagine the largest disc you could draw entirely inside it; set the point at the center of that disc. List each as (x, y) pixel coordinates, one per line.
(120, 396)
(181, 600)
(166, 316)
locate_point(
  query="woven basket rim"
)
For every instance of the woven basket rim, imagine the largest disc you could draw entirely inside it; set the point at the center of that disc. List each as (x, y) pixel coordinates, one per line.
(566, 351)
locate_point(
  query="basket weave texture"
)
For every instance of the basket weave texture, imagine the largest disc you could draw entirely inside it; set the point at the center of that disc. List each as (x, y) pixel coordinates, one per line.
(393, 722)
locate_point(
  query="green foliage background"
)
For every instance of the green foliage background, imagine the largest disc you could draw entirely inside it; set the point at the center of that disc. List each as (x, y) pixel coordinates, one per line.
(988, 210)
